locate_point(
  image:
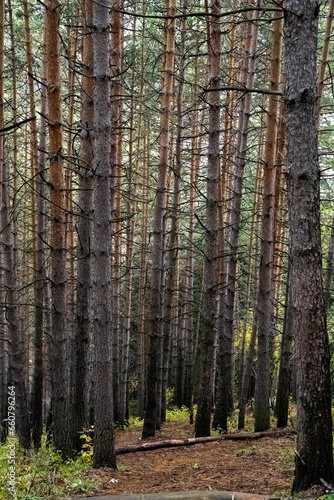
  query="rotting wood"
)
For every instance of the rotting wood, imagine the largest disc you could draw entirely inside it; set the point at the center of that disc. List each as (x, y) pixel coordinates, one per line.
(187, 442)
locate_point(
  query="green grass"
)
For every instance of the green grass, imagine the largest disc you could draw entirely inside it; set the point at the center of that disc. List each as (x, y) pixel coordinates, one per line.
(286, 462)
(254, 449)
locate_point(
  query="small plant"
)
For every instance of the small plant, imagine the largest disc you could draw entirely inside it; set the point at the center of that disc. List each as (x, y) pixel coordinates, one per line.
(251, 450)
(288, 456)
(86, 453)
(245, 452)
(175, 414)
(135, 422)
(196, 466)
(82, 486)
(170, 394)
(122, 468)
(329, 496)
(286, 462)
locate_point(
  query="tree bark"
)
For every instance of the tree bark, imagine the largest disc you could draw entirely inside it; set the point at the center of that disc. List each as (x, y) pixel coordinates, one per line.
(224, 404)
(40, 302)
(152, 413)
(266, 286)
(208, 312)
(58, 244)
(116, 160)
(284, 376)
(314, 457)
(142, 319)
(171, 294)
(16, 338)
(103, 453)
(81, 345)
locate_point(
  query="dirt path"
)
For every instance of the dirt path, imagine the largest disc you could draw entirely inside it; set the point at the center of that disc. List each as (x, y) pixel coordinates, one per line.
(261, 467)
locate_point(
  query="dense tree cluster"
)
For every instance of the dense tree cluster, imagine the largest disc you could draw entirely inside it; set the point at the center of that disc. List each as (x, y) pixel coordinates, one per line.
(162, 218)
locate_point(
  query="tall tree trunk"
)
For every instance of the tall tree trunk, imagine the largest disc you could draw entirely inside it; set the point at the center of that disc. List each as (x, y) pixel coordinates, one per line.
(314, 457)
(81, 345)
(224, 404)
(266, 286)
(72, 49)
(16, 335)
(208, 312)
(58, 244)
(104, 452)
(3, 337)
(252, 274)
(284, 376)
(116, 159)
(38, 373)
(142, 309)
(171, 294)
(142, 336)
(152, 413)
(188, 311)
(130, 232)
(285, 363)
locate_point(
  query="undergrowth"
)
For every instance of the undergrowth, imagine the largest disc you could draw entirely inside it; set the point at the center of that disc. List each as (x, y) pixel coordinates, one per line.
(44, 475)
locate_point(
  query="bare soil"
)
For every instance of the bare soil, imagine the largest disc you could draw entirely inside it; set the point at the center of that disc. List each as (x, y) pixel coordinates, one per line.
(264, 466)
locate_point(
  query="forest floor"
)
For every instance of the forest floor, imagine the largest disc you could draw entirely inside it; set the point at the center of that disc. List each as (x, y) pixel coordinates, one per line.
(264, 466)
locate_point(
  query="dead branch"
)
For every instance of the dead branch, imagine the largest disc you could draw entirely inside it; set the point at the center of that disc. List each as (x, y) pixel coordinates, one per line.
(240, 436)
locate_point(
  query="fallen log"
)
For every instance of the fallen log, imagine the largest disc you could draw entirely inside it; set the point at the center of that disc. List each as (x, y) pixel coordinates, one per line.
(186, 495)
(238, 436)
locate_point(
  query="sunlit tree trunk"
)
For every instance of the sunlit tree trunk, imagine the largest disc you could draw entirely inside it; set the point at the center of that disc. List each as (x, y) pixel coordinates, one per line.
(265, 303)
(59, 370)
(72, 49)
